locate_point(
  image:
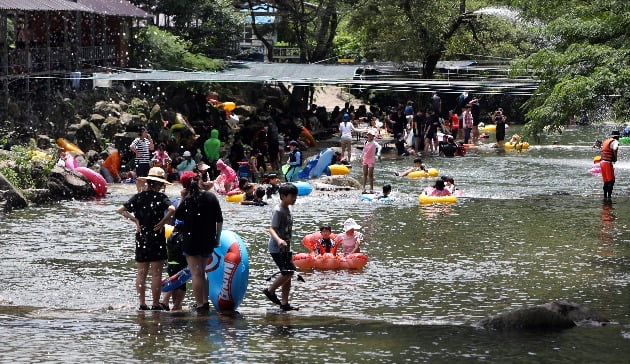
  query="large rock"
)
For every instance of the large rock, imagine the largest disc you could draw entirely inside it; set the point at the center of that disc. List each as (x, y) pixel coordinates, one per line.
(88, 136)
(66, 184)
(342, 181)
(10, 196)
(555, 315)
(111, 126)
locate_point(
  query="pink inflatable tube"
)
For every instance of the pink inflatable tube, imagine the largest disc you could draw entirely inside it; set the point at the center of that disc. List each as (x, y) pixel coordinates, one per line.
(98, 182)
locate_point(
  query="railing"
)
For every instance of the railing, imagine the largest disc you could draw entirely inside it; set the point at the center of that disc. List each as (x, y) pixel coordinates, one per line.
(286, 53)
(41, 59)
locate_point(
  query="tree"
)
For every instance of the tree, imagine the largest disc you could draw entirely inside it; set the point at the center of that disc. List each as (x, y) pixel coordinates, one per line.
(586, 65)
(410, 30)
(313, 24)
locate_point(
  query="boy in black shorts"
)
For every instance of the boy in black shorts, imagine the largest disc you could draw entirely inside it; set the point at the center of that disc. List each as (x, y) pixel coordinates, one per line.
(280, 246)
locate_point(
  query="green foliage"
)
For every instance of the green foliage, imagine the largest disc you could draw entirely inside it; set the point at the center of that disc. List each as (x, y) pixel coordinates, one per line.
(159, 49)
(587, 67)
(28, 167)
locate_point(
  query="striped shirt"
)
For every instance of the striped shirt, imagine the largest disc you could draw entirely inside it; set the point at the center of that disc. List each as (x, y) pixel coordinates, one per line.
(143, 154)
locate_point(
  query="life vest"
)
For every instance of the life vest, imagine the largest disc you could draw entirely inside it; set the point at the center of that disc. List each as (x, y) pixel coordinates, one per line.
(293, 157)
(607, 153)
(326, 247)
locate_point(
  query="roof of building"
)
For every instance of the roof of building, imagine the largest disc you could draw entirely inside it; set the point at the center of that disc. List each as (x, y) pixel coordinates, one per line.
(41, 5)
(105, 7)
(349, 76)
(114, 7)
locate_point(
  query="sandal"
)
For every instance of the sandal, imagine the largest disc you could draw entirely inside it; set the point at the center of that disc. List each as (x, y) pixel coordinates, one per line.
(272, 296)
(143, 308)
(288, 307)
(160, 307)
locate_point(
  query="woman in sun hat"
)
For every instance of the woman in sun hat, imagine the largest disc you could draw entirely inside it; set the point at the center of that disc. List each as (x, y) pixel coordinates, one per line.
(146, 209)
(350, 239)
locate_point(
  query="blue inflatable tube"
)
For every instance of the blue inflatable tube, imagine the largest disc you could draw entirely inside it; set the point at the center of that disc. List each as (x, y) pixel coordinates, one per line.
(228, 272)
(173, 282)
(304, 188)
(323, 161)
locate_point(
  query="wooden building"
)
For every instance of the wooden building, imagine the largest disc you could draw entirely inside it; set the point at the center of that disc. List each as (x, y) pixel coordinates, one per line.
(46, 45)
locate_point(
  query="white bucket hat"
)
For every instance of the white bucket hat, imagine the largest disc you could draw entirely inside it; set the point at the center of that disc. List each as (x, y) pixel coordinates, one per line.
(350, 224)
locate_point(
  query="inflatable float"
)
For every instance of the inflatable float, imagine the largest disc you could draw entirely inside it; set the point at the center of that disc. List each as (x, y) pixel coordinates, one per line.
(370, 197)
(303, 188)
(338, 169)
(326, 260)
(68, 147)
(237, 197)
(99, 184)
(308, 137)
(516, 146)
(318, 165)
(624, 140)
(432, 172)
(227, 271)
(425, 199)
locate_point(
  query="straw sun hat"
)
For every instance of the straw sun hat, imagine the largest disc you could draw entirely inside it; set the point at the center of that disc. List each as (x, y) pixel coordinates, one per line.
(156, 174)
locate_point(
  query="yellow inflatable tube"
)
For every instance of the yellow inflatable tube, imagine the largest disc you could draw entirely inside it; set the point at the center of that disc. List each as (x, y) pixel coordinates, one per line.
(69, 147)
(427, 200)
(418, 174)
(338, 169)
(517, 146)
(235, 198)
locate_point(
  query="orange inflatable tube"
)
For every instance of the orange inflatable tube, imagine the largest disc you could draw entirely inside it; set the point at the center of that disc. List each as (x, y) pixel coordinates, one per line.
(68, 147)
(112, 163)
(308, 137)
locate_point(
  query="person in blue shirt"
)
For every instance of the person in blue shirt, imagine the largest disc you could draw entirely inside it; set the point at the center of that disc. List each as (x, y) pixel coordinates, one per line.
(295, 162)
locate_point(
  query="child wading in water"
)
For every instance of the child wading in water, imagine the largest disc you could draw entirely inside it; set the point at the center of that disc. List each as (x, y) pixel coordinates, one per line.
(280, 246)
(371, 150)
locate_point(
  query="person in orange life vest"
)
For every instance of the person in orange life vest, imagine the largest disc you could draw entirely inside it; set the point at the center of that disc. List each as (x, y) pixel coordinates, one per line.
(610, 147)
(326, 244)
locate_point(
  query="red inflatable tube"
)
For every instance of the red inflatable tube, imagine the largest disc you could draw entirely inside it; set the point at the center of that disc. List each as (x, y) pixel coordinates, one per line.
(98, 182)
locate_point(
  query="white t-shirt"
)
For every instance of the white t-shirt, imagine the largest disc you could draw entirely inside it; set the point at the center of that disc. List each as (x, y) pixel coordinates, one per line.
(346, 130)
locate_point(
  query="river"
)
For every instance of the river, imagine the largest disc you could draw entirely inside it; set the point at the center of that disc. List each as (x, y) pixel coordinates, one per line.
(531, 228)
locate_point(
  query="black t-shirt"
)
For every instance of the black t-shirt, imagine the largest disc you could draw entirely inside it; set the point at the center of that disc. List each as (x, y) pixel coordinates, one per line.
(148, 207)
(200, 216)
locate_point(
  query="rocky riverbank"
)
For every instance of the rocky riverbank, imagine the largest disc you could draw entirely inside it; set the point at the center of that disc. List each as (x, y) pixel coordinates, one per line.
(100, 126)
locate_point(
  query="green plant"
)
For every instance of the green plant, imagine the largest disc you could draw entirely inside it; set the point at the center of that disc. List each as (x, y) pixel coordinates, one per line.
(27, 167)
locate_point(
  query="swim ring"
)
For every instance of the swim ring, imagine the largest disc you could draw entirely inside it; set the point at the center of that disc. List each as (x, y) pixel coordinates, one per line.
(228, 272)
(427, 200)
(228, 106)
(516, 146)
(369, 197)
(433, 172)
(303, 188)
(330, 261)
(418, 174)
(98, 182)
(321, 260)
(237, 197)
(338, 169)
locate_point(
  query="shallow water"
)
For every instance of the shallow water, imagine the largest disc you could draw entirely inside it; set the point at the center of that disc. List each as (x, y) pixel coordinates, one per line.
(531, 228)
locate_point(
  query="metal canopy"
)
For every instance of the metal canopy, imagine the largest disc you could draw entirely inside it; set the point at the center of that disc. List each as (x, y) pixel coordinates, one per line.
(347, 76)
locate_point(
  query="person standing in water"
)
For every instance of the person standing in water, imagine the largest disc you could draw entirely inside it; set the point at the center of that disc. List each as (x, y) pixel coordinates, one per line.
(146, 209)
(346, 128)
(609, 151)
(371, 151)
(142, 146)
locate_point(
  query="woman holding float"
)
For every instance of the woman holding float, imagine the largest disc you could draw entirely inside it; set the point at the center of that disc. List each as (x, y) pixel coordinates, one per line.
(203, 220)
